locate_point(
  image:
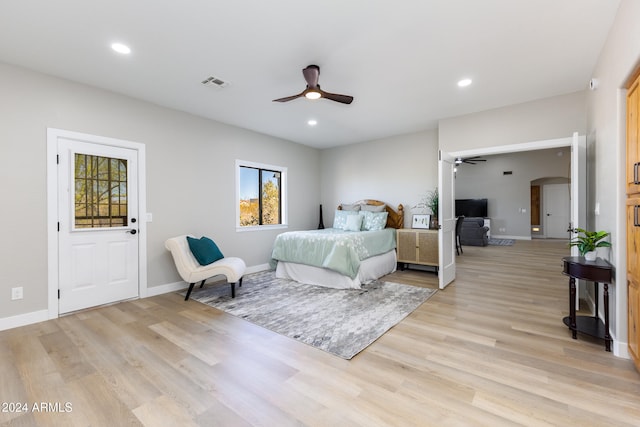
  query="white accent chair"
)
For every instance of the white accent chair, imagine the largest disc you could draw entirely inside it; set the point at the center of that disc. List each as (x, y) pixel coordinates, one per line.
(191, 271)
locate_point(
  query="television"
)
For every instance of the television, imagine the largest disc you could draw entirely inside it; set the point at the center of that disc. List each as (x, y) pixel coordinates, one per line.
(471, 207)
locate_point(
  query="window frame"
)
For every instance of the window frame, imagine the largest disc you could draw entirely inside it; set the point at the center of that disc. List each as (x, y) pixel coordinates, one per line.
(283, 195)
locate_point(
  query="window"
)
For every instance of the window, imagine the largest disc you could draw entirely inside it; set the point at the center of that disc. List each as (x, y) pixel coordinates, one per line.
(100, 191)
(260, 195)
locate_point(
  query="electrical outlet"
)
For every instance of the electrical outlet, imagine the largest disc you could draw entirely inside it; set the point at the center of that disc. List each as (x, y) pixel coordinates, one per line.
(16, 293)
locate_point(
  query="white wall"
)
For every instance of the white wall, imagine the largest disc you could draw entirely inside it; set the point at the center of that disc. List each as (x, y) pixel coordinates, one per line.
(508, 194)
(190, 176)
(545, 119)
(606, 138)
(397, 170)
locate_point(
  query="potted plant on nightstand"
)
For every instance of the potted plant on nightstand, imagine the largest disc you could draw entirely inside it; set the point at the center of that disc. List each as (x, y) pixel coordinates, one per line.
(588, 241)
(430, 201)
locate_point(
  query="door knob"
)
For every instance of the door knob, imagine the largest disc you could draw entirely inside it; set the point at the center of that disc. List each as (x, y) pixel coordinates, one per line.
(133, 231)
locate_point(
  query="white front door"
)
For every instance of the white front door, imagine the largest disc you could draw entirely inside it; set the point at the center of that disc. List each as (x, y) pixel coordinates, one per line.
(555, 199)
(98, 224)
(447, 220)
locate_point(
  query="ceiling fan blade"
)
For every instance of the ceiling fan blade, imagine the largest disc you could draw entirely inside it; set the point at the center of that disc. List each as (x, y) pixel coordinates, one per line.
(311, 74)
(345, 99)
(289, 98)
(472, 160)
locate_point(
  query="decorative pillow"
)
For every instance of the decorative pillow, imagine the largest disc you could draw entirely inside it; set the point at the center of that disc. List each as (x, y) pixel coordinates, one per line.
(204, 250)
(374, 220)
(354, 223)
(346, 207)
(340, 218)
(372, 208)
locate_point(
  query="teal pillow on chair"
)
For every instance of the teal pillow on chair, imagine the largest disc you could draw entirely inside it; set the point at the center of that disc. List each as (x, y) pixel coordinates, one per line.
(204, 250)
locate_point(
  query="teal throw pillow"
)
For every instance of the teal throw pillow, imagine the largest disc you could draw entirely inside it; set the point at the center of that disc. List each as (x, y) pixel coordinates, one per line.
(204, 250)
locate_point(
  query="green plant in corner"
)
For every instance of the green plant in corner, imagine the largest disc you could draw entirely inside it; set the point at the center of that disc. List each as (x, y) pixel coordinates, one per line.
(588, 241)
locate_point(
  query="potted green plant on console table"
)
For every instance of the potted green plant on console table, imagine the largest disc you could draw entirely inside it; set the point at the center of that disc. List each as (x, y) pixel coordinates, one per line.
(588, 241)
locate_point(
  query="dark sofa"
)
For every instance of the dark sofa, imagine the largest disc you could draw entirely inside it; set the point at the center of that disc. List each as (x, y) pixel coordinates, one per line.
(473, 232)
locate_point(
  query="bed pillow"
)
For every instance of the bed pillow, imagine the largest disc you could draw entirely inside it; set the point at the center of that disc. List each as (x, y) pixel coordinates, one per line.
(374, 220)
(372, 208)
(354, 223)
(346, 207)
(340, 218)
(204, 250)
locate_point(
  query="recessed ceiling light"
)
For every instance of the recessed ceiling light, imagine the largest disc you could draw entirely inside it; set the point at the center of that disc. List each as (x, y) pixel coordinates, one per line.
(464, 82)
(312, 122)
(121, 48)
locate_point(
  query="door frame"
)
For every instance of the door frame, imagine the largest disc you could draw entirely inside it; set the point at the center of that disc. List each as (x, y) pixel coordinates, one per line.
(578, 209)
(52, 209)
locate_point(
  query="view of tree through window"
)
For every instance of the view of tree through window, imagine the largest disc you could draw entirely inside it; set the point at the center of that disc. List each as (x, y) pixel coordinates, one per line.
(260, 196)
(100, 191)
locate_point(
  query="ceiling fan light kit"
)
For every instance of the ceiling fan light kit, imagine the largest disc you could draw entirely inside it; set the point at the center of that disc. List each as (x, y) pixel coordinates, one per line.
(312, 94)
(311, 74)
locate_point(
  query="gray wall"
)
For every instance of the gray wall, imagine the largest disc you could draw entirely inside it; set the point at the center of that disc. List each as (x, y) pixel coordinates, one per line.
(606, 139)
(508, 194)
(397, 170)
(550, 118)
(190, 176)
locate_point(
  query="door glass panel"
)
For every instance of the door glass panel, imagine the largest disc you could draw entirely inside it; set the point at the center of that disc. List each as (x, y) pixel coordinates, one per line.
(100, 187)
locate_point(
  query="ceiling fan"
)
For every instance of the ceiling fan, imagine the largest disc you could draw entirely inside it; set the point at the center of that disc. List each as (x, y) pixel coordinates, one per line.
(313, 91)
(470, 160)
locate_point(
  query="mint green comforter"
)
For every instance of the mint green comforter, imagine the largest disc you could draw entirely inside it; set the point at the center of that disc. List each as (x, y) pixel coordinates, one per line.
(332, 248)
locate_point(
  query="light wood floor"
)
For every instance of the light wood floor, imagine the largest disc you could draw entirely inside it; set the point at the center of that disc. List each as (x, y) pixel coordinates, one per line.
(489, 350)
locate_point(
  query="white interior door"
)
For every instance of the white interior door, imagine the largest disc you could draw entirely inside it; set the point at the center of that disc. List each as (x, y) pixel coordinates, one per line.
(447, 220)
(556, 210)
(578, 195)
(578, 184)
(98, 224)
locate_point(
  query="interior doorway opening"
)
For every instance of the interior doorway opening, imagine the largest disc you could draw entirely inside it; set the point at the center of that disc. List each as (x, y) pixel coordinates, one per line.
(538, 208)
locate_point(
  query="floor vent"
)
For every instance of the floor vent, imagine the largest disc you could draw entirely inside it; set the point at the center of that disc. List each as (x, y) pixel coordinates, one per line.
(213, 81)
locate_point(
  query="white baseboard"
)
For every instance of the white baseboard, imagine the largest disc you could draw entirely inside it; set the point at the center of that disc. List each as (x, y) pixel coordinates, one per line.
(178, 286)
(620, 349)
(42, 315)
(505, 236)
(257, 268)
(23, 319)
(166, 288)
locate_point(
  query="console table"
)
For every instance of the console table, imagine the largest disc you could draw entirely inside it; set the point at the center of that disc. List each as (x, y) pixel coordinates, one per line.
(598, 271)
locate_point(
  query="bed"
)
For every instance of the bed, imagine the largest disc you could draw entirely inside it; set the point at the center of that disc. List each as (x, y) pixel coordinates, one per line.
(359, 248)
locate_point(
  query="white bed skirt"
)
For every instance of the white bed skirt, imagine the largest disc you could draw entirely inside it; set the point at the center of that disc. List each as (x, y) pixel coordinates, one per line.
(370, 269)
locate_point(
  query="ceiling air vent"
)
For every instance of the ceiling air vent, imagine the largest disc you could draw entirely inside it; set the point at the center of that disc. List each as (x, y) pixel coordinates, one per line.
(213, 81)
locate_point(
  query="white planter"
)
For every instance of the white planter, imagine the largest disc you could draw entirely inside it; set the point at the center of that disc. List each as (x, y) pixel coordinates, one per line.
(590, 256)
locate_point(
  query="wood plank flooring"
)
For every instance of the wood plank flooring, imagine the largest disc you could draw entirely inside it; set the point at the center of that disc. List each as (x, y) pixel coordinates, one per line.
(490, 350)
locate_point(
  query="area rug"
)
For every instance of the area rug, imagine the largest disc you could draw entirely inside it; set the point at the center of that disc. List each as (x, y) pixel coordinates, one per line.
(501, 242)
(340, 322)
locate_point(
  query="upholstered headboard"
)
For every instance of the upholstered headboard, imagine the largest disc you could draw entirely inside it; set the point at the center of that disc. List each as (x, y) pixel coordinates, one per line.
(394, 219)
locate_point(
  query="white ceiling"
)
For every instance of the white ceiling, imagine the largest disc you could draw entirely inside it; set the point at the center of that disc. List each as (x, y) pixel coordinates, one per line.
(399, 59)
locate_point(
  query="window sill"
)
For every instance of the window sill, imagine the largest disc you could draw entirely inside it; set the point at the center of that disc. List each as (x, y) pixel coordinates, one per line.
(261, 228)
